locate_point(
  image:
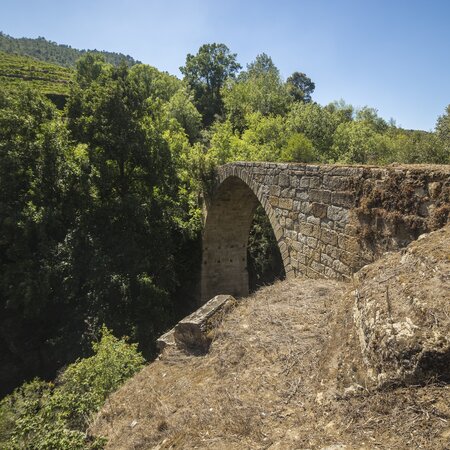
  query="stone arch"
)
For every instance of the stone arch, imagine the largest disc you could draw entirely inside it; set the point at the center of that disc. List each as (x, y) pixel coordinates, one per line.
(226, 231)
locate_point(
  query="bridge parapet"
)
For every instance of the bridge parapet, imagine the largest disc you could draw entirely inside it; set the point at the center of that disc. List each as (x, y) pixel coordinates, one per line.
(329, 220)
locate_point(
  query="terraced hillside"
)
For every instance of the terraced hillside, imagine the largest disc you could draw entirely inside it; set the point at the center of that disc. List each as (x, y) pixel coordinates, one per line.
(50, 79)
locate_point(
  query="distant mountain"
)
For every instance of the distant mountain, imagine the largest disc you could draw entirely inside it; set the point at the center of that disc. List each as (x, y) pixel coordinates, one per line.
(48, 51)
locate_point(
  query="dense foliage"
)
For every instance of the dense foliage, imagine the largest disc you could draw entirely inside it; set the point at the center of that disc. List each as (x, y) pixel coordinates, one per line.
(100, 206)
(100, 222)
(41, 415)
(63, 55)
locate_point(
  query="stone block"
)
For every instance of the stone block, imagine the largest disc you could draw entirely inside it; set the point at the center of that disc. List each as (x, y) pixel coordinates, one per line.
(315, 182)
(311, 242)
(273, 200)
(304, 182)
(346, 199)
(283, 179)
(327, 223)
(193, 333)
(295, 181)
(332, 251)
(318, 267)
(288, 193)
(337, 183)
(305, 207)
(337, 214)
(326, 260)
(319, 210)
(341, 267)
(347, 171)
(313, 220)
(275, 190)
(302, 195)
(309, 229)
(328, 236)
(308, 252)
(285, 203)
(319, 195)
(317, 255)
(291, 234)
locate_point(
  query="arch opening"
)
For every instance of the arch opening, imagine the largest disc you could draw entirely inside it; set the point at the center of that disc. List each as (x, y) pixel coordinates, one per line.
(229, 246)
(264, 261)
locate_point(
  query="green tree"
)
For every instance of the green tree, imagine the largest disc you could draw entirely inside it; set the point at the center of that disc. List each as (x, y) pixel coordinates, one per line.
(317, 123)
(357, 142)
(342, 110)
(300, 87)
(257, 90)
(181, 107)
(262, 65)
(126, 243)
(152, 83)
(370, 117)
(90, 68)
(299, 149)
(416, 147)
(206, 73)
(264, 138)
(443, 126)
(38, 205)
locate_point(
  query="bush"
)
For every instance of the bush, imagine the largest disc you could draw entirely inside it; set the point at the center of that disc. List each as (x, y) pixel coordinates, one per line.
(41, 415)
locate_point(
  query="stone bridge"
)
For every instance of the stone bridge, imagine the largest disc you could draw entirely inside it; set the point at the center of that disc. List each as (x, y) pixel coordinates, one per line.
(329, 220)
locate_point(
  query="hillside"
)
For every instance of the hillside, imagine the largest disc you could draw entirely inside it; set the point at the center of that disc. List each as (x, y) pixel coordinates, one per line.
(285, 369)
(50, 79)
(48, 51)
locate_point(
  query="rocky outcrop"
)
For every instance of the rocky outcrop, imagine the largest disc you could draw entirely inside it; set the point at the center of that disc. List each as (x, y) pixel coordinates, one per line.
(402, 313)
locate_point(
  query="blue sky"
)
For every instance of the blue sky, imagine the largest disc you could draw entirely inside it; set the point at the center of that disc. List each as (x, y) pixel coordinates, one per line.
(392, 55)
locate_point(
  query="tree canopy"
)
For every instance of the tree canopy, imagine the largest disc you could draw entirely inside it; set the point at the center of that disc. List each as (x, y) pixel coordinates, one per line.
(206, 73)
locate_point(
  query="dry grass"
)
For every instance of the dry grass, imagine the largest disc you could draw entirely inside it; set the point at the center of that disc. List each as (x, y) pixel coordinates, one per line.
(273, 379)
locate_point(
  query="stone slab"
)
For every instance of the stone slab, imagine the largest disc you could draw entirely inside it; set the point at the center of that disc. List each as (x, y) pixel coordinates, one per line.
(193, 332)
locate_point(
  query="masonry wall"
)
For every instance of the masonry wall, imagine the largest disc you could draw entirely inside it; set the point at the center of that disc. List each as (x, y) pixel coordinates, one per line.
(329, 220)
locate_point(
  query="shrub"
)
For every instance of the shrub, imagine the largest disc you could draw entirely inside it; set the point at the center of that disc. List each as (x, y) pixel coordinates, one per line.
(41, 415)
